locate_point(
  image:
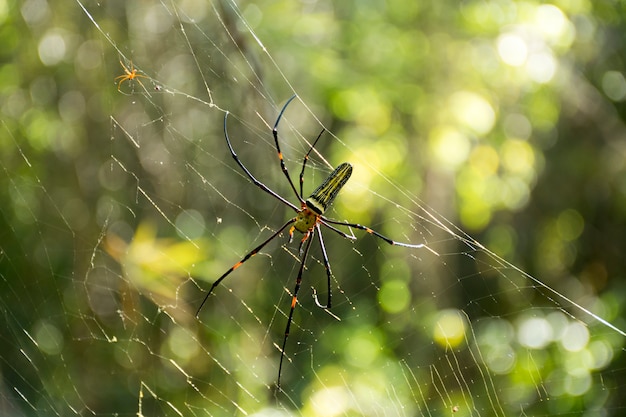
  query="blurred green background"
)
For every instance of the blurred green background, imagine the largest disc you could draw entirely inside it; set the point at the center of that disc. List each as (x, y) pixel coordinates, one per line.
(501, 119)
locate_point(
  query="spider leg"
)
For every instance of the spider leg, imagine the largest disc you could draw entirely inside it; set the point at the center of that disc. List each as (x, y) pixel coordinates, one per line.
(126, 70)
(328, 272)
(324, 221)
(249, 174)
(123, 78)
(241, 262)
(294, 301)
(127, 76)
(136, 77)
(283, 167)
(305, 160)
(378, 235)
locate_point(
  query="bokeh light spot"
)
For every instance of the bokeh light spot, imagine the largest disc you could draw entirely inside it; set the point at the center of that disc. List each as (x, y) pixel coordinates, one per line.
(473, 111)
(394, 296)
(570, 224)
(449, 146)
(575, 337)
(535, 333)
(512, 49)
(449, 328)
(614, 85)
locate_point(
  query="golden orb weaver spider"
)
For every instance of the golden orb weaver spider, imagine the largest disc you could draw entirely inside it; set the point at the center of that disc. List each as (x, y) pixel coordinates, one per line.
(308, 219)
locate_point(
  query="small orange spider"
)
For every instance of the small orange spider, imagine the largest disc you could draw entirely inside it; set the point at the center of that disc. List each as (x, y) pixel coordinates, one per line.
(130, 74)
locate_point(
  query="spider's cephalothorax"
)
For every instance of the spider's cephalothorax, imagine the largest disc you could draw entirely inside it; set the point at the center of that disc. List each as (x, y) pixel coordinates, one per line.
(308, 220)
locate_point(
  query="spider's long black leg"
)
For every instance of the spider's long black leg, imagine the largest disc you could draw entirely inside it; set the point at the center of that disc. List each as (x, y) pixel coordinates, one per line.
(280, 154)
(328, 272)
(241, 262)
(334, 229)
(294, 301)
(249, 174)
(305, 160)
(325, 221)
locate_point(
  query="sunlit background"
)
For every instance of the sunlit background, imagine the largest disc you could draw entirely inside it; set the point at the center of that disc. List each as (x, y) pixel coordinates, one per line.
(501, 119)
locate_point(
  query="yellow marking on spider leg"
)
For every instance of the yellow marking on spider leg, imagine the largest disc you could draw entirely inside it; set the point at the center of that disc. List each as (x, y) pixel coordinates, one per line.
(237, 265)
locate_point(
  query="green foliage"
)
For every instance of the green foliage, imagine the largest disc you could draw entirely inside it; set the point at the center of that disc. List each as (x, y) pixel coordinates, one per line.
(504, 117)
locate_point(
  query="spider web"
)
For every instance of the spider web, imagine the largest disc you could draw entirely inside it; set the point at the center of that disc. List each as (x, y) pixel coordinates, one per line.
(450, 329)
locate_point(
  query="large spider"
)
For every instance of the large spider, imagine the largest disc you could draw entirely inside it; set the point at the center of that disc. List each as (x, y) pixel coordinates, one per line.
(308, 220)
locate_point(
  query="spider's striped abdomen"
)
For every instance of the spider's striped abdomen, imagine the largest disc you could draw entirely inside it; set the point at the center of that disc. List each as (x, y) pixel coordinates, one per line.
(325, 194)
